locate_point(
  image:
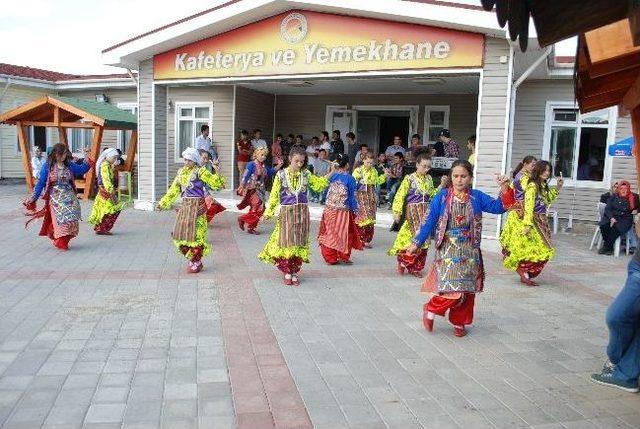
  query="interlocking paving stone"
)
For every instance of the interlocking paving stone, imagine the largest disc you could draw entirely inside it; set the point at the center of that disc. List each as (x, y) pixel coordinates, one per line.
(89, 337)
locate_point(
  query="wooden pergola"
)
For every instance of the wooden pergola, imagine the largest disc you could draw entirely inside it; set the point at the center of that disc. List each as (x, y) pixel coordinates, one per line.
(64, 113)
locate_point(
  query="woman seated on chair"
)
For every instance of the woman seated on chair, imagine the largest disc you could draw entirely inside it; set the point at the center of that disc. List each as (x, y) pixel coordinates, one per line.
(618, 216)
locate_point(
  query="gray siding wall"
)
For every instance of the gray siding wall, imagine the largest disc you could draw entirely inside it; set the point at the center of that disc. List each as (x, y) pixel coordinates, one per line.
(493, 111)
(160, 140)
(10, 158)
(221, 130)
(145, 132)
(305, 114)
(528, 135)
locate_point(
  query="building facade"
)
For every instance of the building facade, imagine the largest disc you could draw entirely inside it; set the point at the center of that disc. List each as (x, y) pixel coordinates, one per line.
(379, 69)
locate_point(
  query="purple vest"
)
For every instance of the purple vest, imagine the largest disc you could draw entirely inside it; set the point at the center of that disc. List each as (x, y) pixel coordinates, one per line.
(518, 191)
(290, 196)
(195, 187)
(414, 196)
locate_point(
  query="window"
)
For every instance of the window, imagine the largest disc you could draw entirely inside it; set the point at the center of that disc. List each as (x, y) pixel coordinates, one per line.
(36, 136)
(79, 139)
(576, 144)
(124, 136)
(189, 118)
(435, 119)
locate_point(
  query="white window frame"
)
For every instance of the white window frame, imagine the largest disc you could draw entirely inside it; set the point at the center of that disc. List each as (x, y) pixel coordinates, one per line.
(129, 107)
(611, 135)
(176, 130)
(431, 108)
(85, 132)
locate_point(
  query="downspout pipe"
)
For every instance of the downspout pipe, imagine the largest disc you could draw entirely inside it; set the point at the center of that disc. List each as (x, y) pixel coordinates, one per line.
(4, 92)
(512, 107)
(132, 76)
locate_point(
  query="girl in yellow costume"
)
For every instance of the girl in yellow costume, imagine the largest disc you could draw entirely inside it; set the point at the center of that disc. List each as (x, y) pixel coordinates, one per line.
(106, 207)
(416, 191)
(190, 229)
(288, 246)
(526, 237)
(367, 178)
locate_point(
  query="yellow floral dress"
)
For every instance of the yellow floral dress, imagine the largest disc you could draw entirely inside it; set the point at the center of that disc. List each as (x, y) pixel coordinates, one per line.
(414, 189)
(367, 179)
(290, 189)
(105, 205)
(190, 183)
(536, 246)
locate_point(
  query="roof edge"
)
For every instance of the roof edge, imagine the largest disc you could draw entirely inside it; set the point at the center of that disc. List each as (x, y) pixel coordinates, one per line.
(171, 24)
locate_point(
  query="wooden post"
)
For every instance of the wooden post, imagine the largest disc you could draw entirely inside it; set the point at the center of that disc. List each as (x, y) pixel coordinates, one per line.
(62, 133)
(635, 122)
(23, 140)
(131, 151)
(95, 152)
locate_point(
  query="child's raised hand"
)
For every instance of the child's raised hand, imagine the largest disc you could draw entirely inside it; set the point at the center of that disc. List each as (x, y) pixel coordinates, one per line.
(444, 181)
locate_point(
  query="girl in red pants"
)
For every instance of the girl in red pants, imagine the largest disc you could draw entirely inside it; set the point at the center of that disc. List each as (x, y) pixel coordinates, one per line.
(338, 229)
(367, 178)
(252, 189)
(192, 183)
(61, 211)
(457, 272)
(288, 246)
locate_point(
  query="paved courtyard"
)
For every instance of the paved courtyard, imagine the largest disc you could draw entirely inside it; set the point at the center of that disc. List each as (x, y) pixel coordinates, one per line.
(115, 334)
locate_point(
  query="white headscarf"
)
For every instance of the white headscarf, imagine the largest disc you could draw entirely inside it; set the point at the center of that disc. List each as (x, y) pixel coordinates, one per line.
(106, 154)
(191, 154)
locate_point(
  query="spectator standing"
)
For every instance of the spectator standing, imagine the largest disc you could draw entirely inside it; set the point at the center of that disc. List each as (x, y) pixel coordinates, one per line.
(471, 146)
(277, 156)
(243, 145)
(337, 145)
(257, 140)
(37, 161)
(352, 147)
(623, 320)
(203, 142)
(286, 144)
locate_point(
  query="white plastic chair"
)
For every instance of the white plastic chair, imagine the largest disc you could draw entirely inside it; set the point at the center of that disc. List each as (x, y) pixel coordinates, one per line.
(616, 246)
(597, 237)
(554, 215)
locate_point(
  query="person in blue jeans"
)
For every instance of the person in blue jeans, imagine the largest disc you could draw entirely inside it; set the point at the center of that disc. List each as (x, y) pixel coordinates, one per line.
(623, 320)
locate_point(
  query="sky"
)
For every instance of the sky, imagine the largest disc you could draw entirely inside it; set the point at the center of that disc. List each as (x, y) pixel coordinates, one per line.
(69, 35)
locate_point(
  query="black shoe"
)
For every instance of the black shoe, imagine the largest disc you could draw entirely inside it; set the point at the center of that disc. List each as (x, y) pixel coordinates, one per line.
(607, 379)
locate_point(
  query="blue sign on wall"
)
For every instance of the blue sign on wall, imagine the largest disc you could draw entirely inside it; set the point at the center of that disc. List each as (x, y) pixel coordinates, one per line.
(622, 148)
